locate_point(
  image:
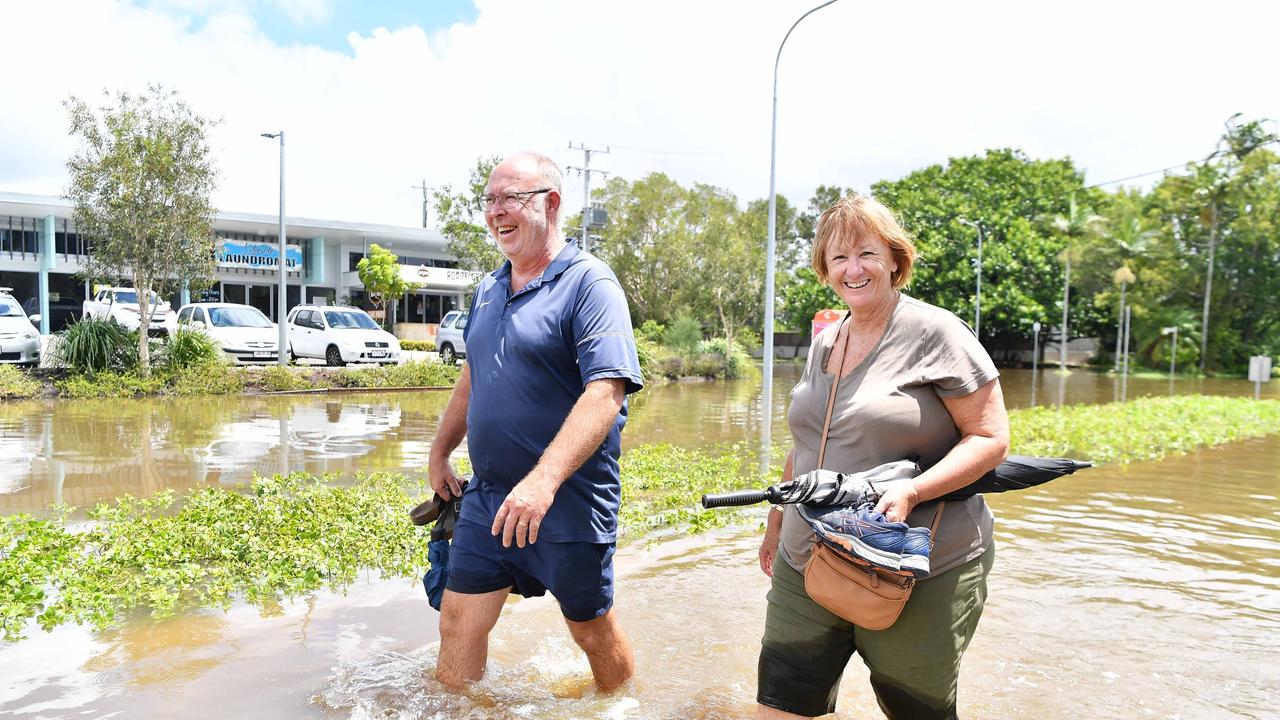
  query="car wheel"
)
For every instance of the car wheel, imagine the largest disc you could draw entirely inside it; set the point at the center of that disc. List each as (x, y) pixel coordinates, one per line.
(293, 356)
(447, 356)
(333, 357)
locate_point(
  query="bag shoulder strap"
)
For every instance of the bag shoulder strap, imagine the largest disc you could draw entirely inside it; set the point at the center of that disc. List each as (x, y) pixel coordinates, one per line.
(937, 519)
(835, 383)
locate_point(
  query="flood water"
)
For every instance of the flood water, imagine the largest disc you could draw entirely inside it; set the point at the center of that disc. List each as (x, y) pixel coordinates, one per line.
(1150, 590)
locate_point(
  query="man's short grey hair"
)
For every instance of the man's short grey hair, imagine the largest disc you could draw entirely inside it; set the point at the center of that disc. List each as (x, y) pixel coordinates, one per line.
(550, 172)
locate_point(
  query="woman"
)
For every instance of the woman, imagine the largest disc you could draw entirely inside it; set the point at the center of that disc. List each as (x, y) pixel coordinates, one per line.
(915, 383)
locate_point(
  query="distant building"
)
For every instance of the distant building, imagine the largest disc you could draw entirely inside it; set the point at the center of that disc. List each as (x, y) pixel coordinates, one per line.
(40, 254)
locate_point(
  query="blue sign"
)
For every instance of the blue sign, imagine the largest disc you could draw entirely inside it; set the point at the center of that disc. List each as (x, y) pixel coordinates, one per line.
(258, 256)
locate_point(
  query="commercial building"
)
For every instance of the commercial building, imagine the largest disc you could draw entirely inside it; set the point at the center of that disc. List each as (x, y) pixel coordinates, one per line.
(41, 257)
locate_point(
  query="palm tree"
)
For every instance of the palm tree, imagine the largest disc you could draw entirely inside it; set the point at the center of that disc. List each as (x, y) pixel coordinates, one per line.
(1079, 223)
(1131, 241)
(1123, 276)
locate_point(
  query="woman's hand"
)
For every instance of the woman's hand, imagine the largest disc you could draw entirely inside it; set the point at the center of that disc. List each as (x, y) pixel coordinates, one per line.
(898, 502)
(768, 550)
(769, 545)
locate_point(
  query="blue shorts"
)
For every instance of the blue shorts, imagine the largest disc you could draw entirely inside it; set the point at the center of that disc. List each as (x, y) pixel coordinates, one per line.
(578, 574)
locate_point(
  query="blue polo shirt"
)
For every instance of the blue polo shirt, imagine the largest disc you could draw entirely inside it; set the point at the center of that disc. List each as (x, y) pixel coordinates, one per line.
(530, 355)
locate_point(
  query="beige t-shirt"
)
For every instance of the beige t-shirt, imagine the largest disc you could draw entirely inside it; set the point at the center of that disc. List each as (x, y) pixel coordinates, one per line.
(890, 408)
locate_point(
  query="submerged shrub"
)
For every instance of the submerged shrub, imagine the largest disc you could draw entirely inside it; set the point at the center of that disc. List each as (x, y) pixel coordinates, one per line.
(93, 345)
(187, 347)
(275, 378)
(110, 384)
(18, 383)
(209, 378)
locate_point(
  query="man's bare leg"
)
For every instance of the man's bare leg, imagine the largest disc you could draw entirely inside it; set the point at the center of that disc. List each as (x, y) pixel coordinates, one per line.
(465, 623)
(607, 648)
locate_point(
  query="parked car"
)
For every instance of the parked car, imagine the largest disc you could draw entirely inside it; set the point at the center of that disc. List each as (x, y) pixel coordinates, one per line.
(19, 339)
(121, 304)
(62, 312)
(339, 335)
(242, 331)
(449, 337)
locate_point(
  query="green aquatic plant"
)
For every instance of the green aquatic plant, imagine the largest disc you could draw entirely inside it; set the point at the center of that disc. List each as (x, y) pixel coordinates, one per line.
(1145, 429)
(286, 536)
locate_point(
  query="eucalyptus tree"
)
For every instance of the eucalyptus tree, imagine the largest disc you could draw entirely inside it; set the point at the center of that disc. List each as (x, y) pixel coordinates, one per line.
(140, 185)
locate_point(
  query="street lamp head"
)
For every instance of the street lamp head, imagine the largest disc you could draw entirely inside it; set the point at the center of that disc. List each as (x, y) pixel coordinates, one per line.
(270, 135)
(970, 223)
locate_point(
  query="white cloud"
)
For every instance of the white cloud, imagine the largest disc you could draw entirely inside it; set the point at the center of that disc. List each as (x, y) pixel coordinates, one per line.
(866, 91)
(304, 12)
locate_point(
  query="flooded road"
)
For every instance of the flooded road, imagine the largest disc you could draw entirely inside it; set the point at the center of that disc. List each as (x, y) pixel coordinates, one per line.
(1151, 590)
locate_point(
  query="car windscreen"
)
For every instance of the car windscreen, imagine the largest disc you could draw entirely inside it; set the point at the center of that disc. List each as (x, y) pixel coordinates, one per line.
(10, 308)
(238, 317)
(348, 320)
(131, 296)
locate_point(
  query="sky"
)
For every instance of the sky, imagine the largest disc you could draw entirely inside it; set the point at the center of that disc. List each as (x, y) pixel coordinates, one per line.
(376, 97)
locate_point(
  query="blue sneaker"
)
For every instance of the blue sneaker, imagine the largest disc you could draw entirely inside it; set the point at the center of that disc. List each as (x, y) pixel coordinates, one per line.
(891, 545)
(915, 551)
(875, 539)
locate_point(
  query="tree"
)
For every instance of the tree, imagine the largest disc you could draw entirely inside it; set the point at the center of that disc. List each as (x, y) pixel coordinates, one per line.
(468, 240)
(1007, 193)
(140, 186)
(1218, 247)
(380, 273)
(1076, 226)
(802, 297)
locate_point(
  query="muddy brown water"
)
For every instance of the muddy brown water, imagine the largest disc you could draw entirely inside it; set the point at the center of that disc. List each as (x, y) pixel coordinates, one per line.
(1151, 590)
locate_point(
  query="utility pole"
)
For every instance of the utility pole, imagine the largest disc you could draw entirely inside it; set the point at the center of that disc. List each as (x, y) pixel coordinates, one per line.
(423, 187)
(585, 171)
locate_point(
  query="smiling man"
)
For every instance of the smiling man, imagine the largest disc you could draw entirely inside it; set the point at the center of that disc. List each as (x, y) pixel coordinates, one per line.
(542, 402)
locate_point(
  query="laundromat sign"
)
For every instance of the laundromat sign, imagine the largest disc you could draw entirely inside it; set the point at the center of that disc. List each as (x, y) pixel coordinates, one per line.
(258, 256)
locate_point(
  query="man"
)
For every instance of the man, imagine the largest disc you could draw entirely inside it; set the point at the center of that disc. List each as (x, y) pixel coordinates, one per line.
(542, 401)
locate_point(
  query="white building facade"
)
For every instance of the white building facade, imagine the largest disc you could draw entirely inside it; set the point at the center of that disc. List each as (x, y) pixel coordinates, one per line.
(41, 258)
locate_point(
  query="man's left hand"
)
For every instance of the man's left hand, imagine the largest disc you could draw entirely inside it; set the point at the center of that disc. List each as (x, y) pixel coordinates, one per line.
(521, 513)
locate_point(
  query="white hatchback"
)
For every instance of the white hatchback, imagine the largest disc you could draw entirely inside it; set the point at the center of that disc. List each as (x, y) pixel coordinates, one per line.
(19, 339)
(242, 331)
(340, 335)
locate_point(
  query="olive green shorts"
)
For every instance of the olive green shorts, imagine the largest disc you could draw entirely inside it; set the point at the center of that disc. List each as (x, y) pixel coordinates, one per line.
(915, 665)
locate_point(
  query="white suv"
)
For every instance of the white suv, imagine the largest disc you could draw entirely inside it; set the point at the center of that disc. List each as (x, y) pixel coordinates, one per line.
(449, 337)
(19, 339)
(121, 305)
(339, 335)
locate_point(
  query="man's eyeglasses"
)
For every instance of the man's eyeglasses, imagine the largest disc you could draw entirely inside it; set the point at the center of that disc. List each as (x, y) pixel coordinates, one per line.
(508, 200)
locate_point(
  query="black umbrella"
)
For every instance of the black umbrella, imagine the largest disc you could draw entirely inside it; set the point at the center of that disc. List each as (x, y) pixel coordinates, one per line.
(825, 488)
(1019, 472)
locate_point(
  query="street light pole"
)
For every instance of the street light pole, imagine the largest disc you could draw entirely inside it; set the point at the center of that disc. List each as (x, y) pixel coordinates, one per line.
(1173, 348)
(282, 342)
(977, 302)
(766, 426)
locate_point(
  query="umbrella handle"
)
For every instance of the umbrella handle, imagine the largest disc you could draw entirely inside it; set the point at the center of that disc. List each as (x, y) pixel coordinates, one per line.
(740, 497)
